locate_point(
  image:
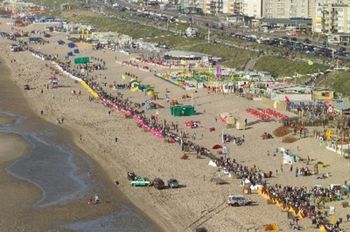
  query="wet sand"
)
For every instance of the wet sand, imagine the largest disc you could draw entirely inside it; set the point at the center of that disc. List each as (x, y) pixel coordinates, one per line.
(54, 177)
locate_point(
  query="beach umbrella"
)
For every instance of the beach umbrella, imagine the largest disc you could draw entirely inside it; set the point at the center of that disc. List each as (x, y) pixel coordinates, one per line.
(142, 87)
(217, 146)
(150, 92)
(133, 89)
(134, 84)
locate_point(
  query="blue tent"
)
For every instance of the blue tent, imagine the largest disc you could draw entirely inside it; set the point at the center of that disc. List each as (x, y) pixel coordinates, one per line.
(34, 39)
(60, 42)
(46, 35)
(70, 54)
(76, 51)
(71, 45)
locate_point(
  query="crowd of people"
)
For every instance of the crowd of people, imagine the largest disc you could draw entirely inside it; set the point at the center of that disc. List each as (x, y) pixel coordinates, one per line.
(298, 198)
(306, 203)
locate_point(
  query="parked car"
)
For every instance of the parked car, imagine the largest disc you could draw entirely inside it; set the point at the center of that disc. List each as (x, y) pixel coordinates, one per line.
(238, 200)
(158, 183)
(141, 181)
(173, 183)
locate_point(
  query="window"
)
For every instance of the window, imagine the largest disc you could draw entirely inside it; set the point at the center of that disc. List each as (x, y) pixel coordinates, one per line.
(325, 94)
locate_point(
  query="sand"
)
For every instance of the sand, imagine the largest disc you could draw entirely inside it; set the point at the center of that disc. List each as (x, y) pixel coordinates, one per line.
(200, 203)
(11, 147)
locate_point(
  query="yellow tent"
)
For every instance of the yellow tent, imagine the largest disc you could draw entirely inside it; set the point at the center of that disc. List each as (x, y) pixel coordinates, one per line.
(92, 92)
(322, 229)
(271, 227)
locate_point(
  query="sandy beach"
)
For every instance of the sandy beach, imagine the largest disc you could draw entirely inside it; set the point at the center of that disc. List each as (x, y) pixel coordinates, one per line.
(201, 202)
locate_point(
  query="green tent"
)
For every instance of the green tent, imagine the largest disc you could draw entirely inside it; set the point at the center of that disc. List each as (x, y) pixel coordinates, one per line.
(185, 110)
(81, 60)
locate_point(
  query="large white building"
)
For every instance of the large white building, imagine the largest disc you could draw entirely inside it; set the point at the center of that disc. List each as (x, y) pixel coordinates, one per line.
(286, 8)
(252, 8)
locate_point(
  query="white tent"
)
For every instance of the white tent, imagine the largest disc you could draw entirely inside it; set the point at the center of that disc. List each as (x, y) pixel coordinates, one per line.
(289, 158)
(212, 163)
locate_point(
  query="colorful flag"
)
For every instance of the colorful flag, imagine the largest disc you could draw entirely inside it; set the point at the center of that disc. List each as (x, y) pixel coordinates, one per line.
(218, 73)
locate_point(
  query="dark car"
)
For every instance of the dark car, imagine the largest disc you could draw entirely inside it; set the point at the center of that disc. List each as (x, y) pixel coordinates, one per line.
(173, 183)
(158, 183)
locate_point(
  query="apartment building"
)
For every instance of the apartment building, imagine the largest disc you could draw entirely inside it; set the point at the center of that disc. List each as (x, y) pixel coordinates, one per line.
(223, 6)
(256, 8)
(286, 8)
(332, 16)
(252, 8)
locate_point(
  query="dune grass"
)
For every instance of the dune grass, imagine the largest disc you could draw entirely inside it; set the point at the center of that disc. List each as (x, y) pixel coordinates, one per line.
(340, 82)
(279, 66)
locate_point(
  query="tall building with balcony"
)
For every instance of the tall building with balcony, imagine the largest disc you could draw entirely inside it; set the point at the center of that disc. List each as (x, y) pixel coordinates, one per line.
(331, 16)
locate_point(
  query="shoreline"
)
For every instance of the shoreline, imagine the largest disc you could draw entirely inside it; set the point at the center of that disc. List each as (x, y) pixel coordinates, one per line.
(66, 134)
